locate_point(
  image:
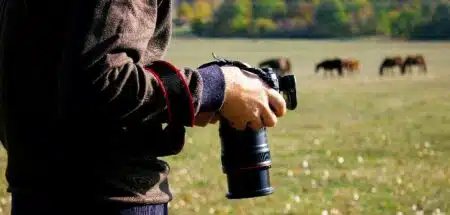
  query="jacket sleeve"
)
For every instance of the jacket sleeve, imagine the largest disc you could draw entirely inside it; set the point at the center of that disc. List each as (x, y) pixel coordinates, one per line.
(126, 41)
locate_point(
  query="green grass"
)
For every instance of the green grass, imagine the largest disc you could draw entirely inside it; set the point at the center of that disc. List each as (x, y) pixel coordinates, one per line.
(392, 134)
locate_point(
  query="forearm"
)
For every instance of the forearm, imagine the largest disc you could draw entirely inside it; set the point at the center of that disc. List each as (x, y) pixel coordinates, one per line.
(120, 62)
(133, 93)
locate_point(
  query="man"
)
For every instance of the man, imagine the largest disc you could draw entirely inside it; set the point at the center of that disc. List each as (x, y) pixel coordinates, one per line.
(85, 95)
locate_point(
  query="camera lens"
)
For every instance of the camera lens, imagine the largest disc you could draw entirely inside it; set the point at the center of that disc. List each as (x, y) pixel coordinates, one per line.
(245, 161)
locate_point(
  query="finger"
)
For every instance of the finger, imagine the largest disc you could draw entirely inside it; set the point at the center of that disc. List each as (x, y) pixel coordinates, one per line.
(255, 124)
(268, 118)
(277, 102)
(202, 119)
(238, 125)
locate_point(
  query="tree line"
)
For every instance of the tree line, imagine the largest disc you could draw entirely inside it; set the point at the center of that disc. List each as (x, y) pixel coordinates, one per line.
(405, 19)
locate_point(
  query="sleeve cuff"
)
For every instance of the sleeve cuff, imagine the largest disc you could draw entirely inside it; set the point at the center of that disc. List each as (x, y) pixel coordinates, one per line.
(213, 92)
(180, 105)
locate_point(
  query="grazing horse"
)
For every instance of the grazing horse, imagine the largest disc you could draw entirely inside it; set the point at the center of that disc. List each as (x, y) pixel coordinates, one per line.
(329, 65)
(279, 65)
(414, 60)
(282, 68)
(390, 63)
(351, 65)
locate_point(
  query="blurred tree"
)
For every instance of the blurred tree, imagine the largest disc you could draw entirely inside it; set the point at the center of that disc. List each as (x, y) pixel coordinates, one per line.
(442, 12)
(185, 11)
(264, 25)
(331, 18)
(383, 24)
(268, 9)
(231, 17)
(203, 10)
(306, 12)
(406, 21)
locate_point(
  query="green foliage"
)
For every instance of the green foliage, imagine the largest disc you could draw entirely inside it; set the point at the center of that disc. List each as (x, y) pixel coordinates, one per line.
(404, 24)
(265, 25)
(230, 18)
(438, 27)
(332, 18)
(202, 10)
(185, 11)
(384, 23)
(268, 9)
(321, 18)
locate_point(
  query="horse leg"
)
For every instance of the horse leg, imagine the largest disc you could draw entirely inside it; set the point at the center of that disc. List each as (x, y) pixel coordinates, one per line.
(403, 69)
(424, 68)
(340, 72)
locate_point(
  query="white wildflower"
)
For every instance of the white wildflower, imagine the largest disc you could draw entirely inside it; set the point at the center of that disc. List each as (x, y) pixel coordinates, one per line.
(212, 210)
(307, 172)
(360, 159)
(305, 164)
(355, 196)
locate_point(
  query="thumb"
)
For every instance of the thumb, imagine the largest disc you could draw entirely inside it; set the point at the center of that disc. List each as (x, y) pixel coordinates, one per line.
(277, 102)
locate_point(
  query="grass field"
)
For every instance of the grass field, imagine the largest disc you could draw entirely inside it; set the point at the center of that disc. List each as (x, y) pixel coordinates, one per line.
(356, 145)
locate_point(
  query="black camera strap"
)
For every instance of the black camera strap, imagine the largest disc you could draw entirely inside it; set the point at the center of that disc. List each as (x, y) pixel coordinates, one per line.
(268, 76)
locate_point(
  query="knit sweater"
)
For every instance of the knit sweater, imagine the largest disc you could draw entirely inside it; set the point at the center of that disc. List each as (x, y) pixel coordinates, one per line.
(85, 98)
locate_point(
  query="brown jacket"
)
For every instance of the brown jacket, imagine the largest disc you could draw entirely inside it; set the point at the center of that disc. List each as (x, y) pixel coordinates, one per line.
(85, 94)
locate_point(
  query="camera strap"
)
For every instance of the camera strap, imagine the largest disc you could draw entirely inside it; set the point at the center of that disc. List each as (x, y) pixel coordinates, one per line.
(268, 76)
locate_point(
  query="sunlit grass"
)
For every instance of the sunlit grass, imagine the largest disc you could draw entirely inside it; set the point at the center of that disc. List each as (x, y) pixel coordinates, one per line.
(358, 145)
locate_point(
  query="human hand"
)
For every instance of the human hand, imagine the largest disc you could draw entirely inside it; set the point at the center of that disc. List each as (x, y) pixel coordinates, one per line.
(205, 118)
(247, 100)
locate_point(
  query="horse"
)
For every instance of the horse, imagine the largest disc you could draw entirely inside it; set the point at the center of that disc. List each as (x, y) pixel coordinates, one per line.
(414, 60)
(329, 65)
(283, 69)
(351, 65)
(280, 65)
(390, 63)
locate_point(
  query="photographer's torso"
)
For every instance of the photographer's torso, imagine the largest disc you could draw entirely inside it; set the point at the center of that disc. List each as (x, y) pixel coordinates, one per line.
(56, 142)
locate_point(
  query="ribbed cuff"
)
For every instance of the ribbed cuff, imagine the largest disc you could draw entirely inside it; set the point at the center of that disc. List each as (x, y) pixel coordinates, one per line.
(213, 88)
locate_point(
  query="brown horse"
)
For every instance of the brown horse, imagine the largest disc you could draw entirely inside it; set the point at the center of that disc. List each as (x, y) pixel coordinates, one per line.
(280, 65)
(351, 65)
(414, 60)
(390, 63)
(329, 65)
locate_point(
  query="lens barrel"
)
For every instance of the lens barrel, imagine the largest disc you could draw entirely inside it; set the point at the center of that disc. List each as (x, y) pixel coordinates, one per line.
(246, 161)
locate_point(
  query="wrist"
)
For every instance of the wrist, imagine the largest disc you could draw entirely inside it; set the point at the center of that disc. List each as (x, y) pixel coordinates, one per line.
(213, 88)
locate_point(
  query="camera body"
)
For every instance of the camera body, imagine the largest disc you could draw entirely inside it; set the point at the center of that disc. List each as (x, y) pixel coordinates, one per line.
(245, 154)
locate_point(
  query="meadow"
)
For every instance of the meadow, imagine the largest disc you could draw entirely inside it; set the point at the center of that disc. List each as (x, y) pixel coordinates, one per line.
(360, 144)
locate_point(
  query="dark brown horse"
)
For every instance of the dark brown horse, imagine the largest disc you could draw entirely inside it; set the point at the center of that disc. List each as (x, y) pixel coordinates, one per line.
(329, 65)
(390, 63)
(279, 65)
(414, 60)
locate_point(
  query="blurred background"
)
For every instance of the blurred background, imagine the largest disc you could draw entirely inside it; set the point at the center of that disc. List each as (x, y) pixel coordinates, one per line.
(361, 143)
(400, 19)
